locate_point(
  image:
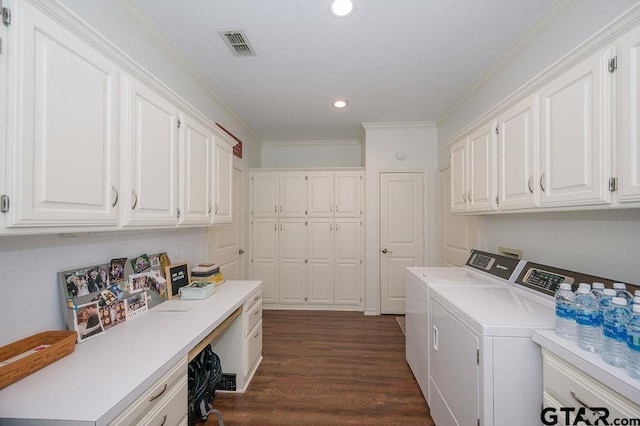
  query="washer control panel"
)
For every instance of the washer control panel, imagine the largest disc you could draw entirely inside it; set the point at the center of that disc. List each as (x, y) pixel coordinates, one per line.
(546, 281)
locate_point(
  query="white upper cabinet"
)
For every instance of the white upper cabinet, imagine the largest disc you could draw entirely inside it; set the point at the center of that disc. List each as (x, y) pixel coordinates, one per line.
(517, 153)
(459, 176)
(320, 194)
(628, 112)
(574, 135)
(63, 136)
(264, 194)
(150, 187)
(292, 198)
(223, 181)
(482, 169)
(196, 142)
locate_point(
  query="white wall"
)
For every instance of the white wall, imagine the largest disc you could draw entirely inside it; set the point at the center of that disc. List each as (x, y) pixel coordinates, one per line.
(597, 242)
(30, 299)
(311, 154)
(419, 142)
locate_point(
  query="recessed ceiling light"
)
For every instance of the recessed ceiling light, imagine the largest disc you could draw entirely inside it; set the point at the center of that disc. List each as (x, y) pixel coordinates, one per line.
(340, 104)
(342, 8)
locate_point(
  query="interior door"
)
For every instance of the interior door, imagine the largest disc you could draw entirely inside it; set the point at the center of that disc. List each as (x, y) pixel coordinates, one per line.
(225, 242)
(401, 234)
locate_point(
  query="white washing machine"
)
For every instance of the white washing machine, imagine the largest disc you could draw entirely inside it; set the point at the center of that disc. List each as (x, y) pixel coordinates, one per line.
(484, 367)
(481, 269)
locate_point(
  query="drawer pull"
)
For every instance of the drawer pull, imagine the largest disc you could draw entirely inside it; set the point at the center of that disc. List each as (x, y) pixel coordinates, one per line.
(257, 312)
(573, 394)
(257, 334)
(158, 395)
(164, 420)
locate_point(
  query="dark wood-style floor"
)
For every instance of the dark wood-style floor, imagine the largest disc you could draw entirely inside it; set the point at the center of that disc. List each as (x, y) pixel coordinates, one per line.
(328, 368)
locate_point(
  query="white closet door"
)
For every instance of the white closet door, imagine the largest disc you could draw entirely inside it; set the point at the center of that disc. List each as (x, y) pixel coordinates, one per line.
(347, 194)
(320, 195)
(320, 270)
(292, 195)
(291, 249)
(264, 259)
(348, 289)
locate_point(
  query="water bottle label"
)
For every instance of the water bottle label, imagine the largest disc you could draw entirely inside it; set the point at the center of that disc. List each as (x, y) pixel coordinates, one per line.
(633, 342)
(565, 311)
(615, 332)
(591, 319)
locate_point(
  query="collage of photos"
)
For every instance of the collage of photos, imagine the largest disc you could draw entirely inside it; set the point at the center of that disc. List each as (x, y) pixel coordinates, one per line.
(99, 297)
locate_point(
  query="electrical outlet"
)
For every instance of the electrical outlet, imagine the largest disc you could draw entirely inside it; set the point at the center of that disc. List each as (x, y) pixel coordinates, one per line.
(176, 251)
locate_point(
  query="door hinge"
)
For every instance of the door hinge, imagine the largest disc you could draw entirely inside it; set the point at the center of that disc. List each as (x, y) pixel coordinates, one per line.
(306, 261)
(178, 212)
(179, 123)
(478, 422)
(306, 223)
(6, 16)
(613, 184)
(306, 178)
(613, 64)
(4, 203)
(497, 201)
(361, 261)
(497, 132)
(478, 356)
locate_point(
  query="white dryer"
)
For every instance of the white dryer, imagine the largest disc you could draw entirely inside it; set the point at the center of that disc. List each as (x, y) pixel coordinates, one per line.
(481, 269)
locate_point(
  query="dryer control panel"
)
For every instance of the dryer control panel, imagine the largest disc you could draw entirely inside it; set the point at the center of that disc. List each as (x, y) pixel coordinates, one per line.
(494, 264)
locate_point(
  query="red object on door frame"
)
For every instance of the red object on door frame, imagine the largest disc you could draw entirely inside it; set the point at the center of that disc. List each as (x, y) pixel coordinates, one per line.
(237, 148)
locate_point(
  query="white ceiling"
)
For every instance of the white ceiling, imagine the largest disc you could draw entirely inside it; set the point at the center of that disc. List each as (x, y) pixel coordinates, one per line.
(393, 60)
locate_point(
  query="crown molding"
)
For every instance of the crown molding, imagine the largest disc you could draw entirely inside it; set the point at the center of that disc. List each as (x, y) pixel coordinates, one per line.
(542, 25)
(400, 124)
(148, 28)
(312, 143)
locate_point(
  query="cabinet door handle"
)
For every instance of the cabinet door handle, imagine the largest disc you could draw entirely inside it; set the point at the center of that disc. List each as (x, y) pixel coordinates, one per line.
(469, 196)
(115, 191)
(541, 181)
(275, 209)
(216, 208)
(158, 395)
(530, 184)
(574, 396)
(135, 202)
(435, 338)
(464, 197)
(210, 208)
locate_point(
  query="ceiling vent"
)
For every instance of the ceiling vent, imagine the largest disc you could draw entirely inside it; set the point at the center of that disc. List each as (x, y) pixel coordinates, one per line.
(237, 42)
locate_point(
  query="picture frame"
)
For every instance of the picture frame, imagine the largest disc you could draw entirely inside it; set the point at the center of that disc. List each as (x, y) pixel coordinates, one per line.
(177, 275)
(87, 321)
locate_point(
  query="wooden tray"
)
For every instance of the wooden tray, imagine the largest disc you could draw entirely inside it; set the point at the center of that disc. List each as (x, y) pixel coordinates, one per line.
(62, 344)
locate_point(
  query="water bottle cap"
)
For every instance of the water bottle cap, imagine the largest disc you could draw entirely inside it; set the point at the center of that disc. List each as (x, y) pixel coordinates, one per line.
(583, 290)
(619, 286)
(619, 301)
(636, 308)
(636, 293)
(609, 292)
(565, 286)
(585, 285)
(598, 285)
(636, 300)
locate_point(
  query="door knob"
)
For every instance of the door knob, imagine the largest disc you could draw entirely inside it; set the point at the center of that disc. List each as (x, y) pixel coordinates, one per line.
(241, 251)
(385, 251)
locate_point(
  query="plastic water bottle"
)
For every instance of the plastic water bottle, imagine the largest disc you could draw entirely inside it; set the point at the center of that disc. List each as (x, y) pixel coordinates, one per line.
(583, 285)
(565, 315)
(588, 323)
(598, 290)
(621, 291)
(633, 343)
(614, 344)
(636, 294)
(605, 302)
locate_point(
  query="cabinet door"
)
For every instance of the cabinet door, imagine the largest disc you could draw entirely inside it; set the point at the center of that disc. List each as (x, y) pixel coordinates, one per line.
(264, 258)
(264, 194)
(151, 183)
(458, 165)
(629, 116)
(291, 249)
(320, 195)
(348, 262)
(64, 130)
(320, 272)
(574, 140)
(517, 150)
(347, 194)
(292, 195)
(482, 169)
(195, 168)
(223, 181)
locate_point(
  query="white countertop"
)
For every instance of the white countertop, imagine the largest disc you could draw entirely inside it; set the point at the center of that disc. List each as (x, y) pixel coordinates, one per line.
(592, 364)
(105, 374)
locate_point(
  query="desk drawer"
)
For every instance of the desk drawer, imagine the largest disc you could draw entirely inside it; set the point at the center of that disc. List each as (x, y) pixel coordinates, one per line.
(252, 317)
(172, 411)
(255, 298)
(156, 396)
(571, 386)
(253, 347)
